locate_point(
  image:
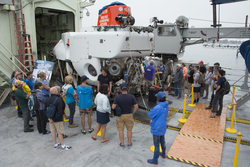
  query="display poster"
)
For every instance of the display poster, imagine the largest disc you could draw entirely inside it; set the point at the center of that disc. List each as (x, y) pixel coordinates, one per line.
(43, 66)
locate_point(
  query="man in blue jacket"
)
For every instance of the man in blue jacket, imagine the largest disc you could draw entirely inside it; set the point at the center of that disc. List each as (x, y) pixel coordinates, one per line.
(158, 125)
(85, 93)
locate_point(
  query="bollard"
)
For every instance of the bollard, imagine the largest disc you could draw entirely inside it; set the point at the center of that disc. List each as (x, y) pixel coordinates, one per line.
(231, 129)
(65, 118)
(237, 149)
(183, 119)
(155, 81)
(99, 134)
(152, 148)
(192, 102)
(231, 106)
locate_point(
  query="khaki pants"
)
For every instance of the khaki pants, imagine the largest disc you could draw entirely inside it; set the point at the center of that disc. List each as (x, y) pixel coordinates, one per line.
(149, 83)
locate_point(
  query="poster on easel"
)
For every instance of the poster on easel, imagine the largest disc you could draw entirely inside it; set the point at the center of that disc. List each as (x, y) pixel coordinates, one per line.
(43, 66)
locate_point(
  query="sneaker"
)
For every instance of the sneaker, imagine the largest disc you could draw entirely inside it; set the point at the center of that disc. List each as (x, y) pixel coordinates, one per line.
(30, 130)
(178, 97)
(189, 96)
(152, 161)
(123, 146)
(195, 101)
(31, 119)
(204, 97)
(129, 145)
(72, 125)
(57, 145)
(20, 116)
(91, 130)
(65, 147)
(31, 126)
(83, 131)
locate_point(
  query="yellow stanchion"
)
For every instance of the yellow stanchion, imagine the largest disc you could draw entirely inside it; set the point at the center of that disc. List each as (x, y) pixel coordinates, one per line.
(152, 148)
(231, 129)
(99, 134)
(231, 106)
(183, 119)
(192, 102)
(16, 107)
(237, 149)
(65, 119)
(155, 81)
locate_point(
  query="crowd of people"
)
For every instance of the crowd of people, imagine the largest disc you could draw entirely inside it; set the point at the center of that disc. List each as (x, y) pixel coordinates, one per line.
(45, 96)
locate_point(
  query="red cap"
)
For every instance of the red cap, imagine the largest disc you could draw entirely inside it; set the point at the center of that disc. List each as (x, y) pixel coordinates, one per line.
(201, 62)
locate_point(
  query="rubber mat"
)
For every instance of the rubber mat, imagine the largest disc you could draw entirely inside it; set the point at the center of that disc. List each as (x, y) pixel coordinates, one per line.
(200, 141)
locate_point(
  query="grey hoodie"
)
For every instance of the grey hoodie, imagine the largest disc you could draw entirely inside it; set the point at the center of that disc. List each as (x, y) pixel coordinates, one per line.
(178, 76)
(40, 98)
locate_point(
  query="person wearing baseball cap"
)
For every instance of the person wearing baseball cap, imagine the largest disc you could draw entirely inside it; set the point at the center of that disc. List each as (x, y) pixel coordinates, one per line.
(158, 125)
(22, 98)
(190, 79)
(85, 103)
(126, 102)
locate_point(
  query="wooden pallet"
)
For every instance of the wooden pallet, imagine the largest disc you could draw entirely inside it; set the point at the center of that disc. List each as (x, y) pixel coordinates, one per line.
(200, 141)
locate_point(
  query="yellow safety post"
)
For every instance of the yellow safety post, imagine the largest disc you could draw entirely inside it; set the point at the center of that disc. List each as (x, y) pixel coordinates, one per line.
(155, 81)
(231, 106)
(192, 102)
(231, 129)
(183, 119)
(65, 119)
(237, 149)
(152, 148)
(99, 134)
(16, 107)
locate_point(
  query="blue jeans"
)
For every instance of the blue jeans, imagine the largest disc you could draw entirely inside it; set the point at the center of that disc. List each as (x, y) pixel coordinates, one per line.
(177, 87)
(157, 141)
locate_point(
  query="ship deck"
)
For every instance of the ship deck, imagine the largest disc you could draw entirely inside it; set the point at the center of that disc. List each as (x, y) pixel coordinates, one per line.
(32, 149)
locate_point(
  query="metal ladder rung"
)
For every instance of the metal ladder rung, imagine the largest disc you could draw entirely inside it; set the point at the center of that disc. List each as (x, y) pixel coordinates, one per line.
(27, 42)
(28, 60)
(27, 48)
(28, 54)
(29, 66)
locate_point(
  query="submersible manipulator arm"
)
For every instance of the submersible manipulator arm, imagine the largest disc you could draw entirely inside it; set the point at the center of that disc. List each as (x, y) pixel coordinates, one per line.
(208, 34)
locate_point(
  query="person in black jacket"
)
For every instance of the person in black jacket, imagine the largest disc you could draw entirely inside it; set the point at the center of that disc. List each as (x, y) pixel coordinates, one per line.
(56, 123)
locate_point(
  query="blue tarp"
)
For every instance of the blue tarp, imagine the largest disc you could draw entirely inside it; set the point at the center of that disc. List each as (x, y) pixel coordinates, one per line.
(112, 4)
(214, 2)
(245, 52)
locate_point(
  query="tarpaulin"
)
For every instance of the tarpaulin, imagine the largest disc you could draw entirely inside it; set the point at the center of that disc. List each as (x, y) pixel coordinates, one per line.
(112, 4)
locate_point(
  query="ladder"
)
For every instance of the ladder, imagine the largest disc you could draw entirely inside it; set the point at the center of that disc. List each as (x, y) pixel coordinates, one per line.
(23, 40)
(28, 59)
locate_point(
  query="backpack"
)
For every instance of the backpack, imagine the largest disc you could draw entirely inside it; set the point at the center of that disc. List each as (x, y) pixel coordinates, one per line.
(225, 89)
(31, 103)
(12, 95)
(50, 112)
(36, 104)
(201, 79)
(117, 111)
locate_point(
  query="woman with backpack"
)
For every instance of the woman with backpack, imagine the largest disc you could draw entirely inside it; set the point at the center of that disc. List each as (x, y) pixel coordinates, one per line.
(218, 95)
(39, 107)
(71, 99)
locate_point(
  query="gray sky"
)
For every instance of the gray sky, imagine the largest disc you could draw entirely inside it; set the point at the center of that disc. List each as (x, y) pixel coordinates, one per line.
(168, 11)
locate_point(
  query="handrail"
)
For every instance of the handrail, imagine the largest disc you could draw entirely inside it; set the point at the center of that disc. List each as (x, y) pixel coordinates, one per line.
(13, 56)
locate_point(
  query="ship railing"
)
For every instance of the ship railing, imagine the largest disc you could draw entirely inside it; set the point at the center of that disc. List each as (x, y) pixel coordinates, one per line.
(12, 58)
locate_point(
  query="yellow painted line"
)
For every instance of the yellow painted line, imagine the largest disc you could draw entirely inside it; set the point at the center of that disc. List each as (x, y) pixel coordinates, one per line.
(202, 138)
(186, 161)
(176, 110)
(239, 120)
